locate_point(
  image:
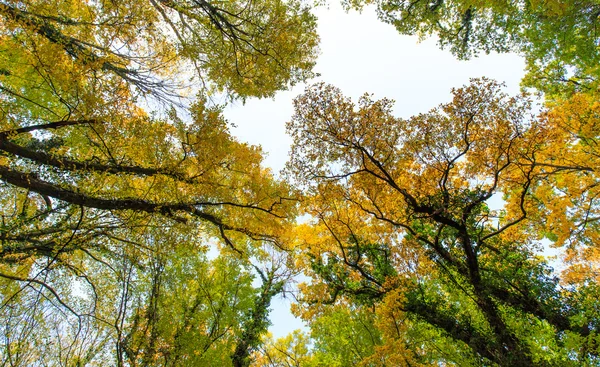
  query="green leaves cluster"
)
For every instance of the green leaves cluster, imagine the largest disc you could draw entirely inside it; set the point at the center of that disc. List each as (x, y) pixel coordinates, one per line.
(558, 39)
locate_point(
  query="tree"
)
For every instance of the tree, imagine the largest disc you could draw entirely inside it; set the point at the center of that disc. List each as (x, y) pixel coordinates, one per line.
(255, 322)
(558, 38)
(105, 202)
(402, 221)
(169, 306)
(75, 215)
(76, 146)
(188, 318)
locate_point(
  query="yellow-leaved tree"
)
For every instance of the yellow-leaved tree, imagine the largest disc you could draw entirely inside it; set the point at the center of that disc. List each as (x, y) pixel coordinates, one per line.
(403, 228)
(117, 190)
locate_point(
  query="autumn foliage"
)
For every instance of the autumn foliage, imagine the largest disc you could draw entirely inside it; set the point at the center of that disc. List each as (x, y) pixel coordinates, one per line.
(137, 231)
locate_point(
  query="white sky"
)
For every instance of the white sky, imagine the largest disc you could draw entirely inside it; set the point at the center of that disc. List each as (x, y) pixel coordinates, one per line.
(360, 54)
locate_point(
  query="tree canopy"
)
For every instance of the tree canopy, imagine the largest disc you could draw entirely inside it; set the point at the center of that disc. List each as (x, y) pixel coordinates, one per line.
(403, 224)
(137, 231)
(116, 184)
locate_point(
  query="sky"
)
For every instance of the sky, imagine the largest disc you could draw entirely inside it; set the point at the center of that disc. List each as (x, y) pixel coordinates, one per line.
(360, 54)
